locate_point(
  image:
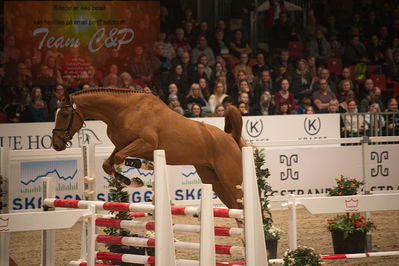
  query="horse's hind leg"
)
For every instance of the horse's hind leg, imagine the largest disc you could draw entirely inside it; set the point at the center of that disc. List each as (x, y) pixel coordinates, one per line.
(108, 164)
(229, 174)
(208, 176)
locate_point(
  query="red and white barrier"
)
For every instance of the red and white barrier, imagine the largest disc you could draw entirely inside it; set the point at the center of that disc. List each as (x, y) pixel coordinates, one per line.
(349, 256)
(150, 226)
(129, 258)
(138, 214)
(359, 255)
(139, 207)
(79, 263)
(217, 212)
(179, 245)
(179, 263)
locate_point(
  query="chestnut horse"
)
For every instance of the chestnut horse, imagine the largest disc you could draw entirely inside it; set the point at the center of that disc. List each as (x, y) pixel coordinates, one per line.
(139, 123)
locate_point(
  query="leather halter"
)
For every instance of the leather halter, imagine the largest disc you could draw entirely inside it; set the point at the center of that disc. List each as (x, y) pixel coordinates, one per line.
(67, 136)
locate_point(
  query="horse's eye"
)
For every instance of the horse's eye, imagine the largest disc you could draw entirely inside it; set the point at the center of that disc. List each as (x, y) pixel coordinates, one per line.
(65, 116)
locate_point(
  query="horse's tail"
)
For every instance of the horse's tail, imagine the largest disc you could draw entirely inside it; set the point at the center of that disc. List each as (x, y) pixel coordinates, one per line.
(233, 124)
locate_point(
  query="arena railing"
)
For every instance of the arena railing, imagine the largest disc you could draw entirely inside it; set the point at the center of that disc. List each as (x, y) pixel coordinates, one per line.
(369, 124)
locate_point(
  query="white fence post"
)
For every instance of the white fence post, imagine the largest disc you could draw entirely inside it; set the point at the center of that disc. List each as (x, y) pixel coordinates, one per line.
(292, 232)
(89, 171)
(91, 236)
(366, 178)
(255, 244)
(207, 246)
(4, 174)
(48, 236)
(164, 247)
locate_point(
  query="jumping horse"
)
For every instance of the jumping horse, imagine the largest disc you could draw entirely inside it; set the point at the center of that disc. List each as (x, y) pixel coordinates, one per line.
(139, 123)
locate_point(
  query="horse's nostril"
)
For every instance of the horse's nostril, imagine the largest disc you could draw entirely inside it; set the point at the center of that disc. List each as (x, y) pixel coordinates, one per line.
(56, 146)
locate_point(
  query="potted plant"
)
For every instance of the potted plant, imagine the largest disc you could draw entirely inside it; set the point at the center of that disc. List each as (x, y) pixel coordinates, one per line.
(272, 233)
(119, 194)
(302, 256)
(346, 186)
(348, 231)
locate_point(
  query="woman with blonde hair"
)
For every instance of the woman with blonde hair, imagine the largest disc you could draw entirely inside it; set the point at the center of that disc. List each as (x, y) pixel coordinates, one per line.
(374, 121)
(333, 106)
(195, 96)
(354, 123)
(217, 96)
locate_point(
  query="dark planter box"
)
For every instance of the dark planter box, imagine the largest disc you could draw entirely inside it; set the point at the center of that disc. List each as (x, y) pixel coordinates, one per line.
(271, 247)
(354, 243)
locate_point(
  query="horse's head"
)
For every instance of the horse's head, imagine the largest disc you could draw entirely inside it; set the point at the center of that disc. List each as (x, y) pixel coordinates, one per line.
(68, 121)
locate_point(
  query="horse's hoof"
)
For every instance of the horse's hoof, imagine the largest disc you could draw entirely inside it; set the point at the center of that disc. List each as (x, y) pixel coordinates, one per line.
(137, 182)
(125, 180)
(147, 165)
(136, 163)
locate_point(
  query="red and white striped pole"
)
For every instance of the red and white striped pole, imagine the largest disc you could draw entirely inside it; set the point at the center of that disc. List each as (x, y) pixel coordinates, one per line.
(150, 226)
(139, 207)
(349, 256)
(360, 255)
(179, 263)
(180, 245)
(138, 214)
(84, 263)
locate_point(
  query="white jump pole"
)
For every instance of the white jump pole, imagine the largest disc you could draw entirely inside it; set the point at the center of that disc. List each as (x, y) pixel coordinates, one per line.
(164, 248)
(207, 237)
(89, 193)
(89, 171)
(366, 179)
(48, 236)
(255, 244)
(91, 236)
(292, 230)
(4, 236)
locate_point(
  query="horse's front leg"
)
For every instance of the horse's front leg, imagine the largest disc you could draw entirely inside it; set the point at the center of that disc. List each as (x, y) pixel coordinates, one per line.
(137, 147)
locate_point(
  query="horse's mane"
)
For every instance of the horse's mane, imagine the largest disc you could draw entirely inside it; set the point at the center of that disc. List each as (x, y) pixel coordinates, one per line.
(109, 90)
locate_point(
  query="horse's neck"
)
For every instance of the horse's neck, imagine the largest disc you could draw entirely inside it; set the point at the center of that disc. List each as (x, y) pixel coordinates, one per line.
(102, 107)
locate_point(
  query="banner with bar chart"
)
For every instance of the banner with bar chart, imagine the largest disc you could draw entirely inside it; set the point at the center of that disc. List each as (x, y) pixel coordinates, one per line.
(27, 184)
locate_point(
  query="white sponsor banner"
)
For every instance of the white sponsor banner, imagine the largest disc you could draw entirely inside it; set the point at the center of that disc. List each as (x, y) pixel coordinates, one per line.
(28, 167)
(312, 170)
(291, 127)
(31, 136)
(302, 171)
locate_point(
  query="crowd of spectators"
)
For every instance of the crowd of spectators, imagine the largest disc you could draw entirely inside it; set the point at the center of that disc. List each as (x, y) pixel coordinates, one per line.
(197, 68)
